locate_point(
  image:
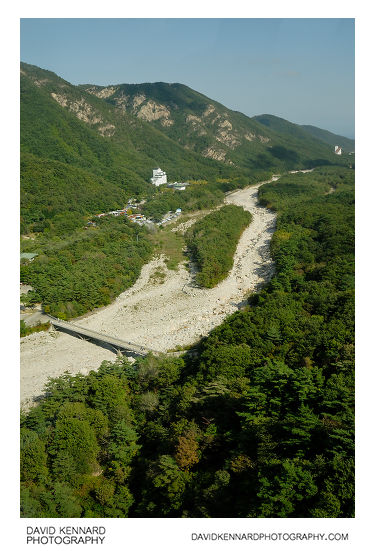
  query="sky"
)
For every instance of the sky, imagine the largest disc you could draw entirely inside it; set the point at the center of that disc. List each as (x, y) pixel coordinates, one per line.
(298, 69)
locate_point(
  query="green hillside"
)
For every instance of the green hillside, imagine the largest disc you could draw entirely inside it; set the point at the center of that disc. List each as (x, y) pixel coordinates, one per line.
(309, 135)
(61, 123)
(88, 149)
(118, 134)
(347, 144)
(205, 126)
(257, 423)
(58, 196)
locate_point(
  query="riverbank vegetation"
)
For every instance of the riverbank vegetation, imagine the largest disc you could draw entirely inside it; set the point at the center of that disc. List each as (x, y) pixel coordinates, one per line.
(88, 269)
(28, 330)
(213, 240)
(258, 422)
(81, 268)
(199, 195)
(194, 198)
(169, 244)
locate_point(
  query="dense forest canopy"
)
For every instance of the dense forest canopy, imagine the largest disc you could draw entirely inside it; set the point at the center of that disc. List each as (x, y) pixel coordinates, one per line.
(90, 151)
(88, 269)
(213, 240)
(262, 410)
(82, 155)
(71, 168)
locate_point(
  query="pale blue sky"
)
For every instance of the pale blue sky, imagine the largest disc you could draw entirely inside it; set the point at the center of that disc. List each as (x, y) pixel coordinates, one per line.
(298, 69)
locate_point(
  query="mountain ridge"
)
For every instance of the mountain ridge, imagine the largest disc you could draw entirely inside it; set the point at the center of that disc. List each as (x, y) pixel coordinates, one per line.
(193, 121)
(275, 122)
(204, 125)
(118, 134)
(330, 137)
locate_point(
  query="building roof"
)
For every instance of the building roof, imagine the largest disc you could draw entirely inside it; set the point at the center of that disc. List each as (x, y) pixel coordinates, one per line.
(28, 256)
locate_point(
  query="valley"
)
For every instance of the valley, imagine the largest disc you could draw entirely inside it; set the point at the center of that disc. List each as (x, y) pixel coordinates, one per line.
(163, 316)
(240, 278)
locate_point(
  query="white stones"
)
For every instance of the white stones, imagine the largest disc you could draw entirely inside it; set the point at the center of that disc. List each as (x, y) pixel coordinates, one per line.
(173, 313)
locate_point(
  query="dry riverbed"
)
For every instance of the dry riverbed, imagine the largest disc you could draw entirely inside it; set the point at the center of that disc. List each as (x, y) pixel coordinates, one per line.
(160, 313)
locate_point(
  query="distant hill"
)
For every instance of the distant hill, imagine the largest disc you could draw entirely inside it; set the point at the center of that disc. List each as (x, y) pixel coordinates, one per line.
(347, 144)
(99, 144)
(206, 127)
(304, 132)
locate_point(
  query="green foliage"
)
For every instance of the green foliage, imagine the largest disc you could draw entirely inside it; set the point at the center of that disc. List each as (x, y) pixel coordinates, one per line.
(197, 123)
(26, 330)
(72, 276)
(74, 448)
(283, 486)
(194, 198)
(123, 445)
(258, 420)
(213, 241)
(84, 422)
(60, 502)
(33, 457)
(167, 485)
(57, 198)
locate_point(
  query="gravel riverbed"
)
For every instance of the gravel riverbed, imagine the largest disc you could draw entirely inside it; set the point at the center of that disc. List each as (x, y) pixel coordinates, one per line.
(160, 316)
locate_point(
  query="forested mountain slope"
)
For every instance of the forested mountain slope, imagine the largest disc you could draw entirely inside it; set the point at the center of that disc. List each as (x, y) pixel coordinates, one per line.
(347, 144)
(52, 113)
(207, 127)
(304, 132)
(66, 131)
(118, 134)
(257, 423)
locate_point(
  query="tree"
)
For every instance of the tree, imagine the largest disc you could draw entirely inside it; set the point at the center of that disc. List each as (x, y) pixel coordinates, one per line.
(122, 449)
(285, 488)
(33, 457)
(75, 448)
(187, 452)
(167, 486)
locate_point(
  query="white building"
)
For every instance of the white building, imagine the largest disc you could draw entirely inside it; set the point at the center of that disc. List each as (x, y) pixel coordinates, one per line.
(338, 150)
(158, 177)
(180, 186)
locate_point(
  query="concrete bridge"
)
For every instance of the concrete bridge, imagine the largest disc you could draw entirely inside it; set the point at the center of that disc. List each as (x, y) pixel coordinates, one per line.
(113, 343)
